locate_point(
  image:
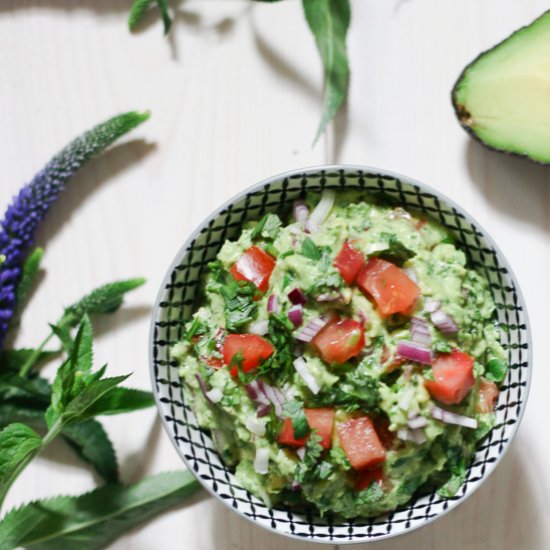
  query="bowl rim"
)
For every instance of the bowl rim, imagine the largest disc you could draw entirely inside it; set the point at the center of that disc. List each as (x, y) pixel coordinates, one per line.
(368, 170)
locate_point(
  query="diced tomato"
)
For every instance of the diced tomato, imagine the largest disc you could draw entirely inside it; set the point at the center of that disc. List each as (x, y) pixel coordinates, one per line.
(286, 435)
(256, 266)
(348, 262)
(488, 394)
(361, 443)
(254, 350)
(364, 479)
(390, 287)
(214, 362)
(340, 340)
(321, 420)
(453, 375)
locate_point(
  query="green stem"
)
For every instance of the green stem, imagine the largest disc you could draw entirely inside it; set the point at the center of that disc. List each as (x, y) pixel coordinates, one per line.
(29, 363)
(54, 431)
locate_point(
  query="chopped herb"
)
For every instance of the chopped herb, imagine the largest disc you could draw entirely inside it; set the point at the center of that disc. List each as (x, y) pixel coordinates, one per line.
(240, 307)
(311, 250)
(442, 346)
(268, 227)
(197, 327)
(273, 426)
(396, 252)
(496, 370)
(295, 411)
(373, 493)
(307, 469)
(339, 458)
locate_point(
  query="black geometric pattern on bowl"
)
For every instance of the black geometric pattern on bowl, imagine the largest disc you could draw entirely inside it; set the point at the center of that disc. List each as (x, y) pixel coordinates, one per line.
(180, 294)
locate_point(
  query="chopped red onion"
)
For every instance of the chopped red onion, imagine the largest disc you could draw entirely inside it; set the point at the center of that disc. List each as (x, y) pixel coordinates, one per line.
(414, 352)
(297, 296)
(452, 418)
(215, 395)
(257, 427)
(295, 486)
(363, 317)
(261, 461)
(405, 400)
(274, 396)
(417, 422)
(301, 368)
(263, 410)
(313, 327)
(416, 436)
(321, 211)
(420, 333)
(272, 305)
(301, 452)
(329, 297)
(256, 393)
(204, 388)
(295, 314)
(432, 305)
(259, 327)
(444, 322)
(301, 211)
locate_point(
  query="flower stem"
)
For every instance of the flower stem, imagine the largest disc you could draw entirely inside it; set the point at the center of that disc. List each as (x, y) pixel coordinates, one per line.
(33, 357)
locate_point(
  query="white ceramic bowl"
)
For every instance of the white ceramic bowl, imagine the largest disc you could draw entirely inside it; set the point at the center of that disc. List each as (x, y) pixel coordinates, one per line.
(180, 293)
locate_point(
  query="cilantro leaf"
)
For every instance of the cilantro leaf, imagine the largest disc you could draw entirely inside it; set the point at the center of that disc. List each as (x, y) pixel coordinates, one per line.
(311, 250)
(496, 370)
(268, 227)
(295, 411)
(397, 252)
(306, 470)
(372, 493)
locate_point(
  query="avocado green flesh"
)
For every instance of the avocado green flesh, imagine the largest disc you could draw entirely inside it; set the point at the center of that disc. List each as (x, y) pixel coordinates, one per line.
(503, 97)
(442, 274)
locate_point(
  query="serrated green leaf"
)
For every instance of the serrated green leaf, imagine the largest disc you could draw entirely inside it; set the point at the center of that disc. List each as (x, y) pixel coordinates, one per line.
(104, 299)
(18, 444)
(63, 334)
(14, 412)
(31, 267)
(61, 392)
(80, 408)
(14, 386)
(166, 19)
(14, 359)
(329, 22)
(137, 11)
(93, 520)
(82, 353)
(122, 400)
(92, 444)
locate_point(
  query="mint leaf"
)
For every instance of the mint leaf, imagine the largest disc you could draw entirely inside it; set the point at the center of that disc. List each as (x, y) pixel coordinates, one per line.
(329, 22)
(14, 359)
(121, 400)
(104, 299)
(95, 519)
(396, 252)
(63, 334)
(311, 250)
(92, 444)
(295, 411)
(31, 267)
(137, 11)
(18, 445)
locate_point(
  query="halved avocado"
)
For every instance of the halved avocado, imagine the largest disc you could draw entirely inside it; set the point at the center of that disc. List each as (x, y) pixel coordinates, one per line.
(503, 97)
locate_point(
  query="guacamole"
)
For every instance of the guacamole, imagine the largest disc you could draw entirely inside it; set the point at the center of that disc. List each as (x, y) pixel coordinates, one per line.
(344, 357)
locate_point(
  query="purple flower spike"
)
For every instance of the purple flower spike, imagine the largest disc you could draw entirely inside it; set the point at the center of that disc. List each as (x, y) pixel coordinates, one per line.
(29, 207)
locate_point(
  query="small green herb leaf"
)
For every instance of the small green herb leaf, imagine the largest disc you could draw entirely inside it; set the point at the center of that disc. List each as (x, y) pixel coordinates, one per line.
(496, 370)
(268, 227)
(329, 22)
(63, 334)
(95, 519)
(396, 252)
(311, 250)
(295, 411)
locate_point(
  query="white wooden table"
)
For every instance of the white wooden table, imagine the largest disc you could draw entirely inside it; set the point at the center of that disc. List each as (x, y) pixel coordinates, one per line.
(235, 97)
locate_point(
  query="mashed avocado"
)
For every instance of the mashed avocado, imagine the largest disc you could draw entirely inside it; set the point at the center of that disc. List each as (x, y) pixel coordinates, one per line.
(345, 362)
